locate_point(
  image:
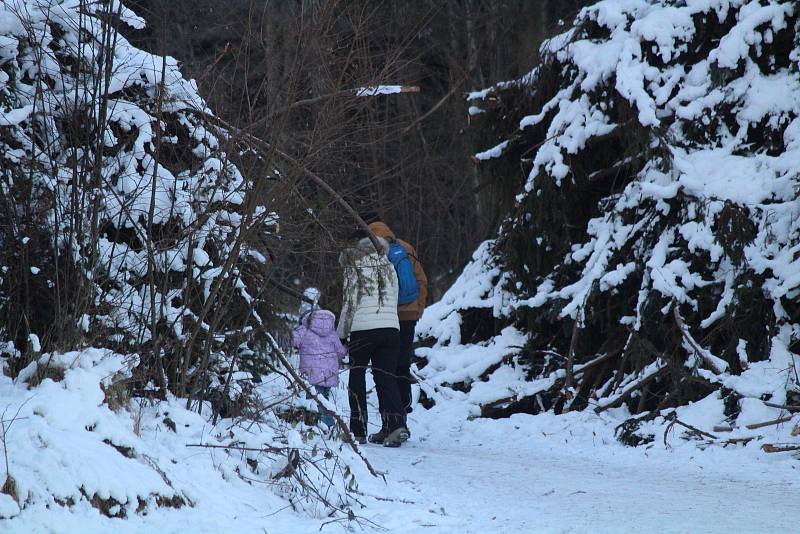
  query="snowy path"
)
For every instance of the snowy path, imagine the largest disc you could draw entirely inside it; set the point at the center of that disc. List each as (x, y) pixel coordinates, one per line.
(525, 474)
(535, 485)
(486, 491)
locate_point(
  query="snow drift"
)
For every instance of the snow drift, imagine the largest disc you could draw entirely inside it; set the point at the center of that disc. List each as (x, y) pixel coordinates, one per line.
(81, 453)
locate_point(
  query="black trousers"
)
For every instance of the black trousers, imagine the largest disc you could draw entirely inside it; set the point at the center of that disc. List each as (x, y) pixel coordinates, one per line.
(380, 347)
(404, 362)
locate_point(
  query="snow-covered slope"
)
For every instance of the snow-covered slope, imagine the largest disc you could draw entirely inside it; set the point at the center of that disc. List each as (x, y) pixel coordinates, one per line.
(85, 457)
(125, 225)
(651, 257)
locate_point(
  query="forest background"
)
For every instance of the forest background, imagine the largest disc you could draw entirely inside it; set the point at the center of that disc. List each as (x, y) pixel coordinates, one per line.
(284, 72)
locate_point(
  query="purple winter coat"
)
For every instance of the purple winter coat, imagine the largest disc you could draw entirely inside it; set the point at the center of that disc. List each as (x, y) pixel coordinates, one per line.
(320, 348)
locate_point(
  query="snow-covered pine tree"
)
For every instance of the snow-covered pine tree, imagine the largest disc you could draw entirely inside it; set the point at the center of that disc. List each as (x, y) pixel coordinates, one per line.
(124, 224)
(651, 254)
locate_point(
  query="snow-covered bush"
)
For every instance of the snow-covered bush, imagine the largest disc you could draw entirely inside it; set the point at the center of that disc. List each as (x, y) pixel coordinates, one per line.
(124, 223)
(133, 299)
(67, 450)
(651, 255)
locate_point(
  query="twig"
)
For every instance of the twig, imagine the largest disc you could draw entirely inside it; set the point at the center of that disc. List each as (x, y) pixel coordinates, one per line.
(384, 499)
(346, 434)
(289, 291)
(435, 106)
(580, 317)
(152, 463)
(344, 92)
(239, 448)
(673, 418)
(615, 168)
(5, 428)
(573, 341)
(265, 148)
(582, 367)
(214, 64)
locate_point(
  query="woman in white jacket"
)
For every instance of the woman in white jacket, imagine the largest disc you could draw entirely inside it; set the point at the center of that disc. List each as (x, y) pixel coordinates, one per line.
(369, 319)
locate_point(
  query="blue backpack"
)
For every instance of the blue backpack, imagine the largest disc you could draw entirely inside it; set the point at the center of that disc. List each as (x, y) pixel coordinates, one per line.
(409, 289)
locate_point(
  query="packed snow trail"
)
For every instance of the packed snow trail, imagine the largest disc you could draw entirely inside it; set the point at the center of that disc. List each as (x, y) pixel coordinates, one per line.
(500, 477)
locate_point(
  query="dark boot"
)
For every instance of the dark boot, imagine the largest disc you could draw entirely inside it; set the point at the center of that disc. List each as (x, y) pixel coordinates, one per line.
(380, 435)
(396, 437)
(405, 434)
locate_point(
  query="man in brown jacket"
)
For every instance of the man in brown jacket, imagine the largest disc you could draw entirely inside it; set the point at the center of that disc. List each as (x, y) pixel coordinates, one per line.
(409, 313)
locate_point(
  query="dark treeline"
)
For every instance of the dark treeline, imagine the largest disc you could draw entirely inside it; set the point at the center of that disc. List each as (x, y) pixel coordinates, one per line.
(407, 155)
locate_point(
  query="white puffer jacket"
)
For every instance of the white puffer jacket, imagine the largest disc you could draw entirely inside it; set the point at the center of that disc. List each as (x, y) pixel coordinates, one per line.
(370, 289)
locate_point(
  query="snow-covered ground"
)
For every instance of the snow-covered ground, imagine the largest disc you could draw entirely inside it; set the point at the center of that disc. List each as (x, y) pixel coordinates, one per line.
(510, 476)
(549, 473)
(543, 473)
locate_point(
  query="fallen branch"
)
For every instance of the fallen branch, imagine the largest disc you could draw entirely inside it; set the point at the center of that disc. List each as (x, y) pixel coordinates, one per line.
(687, 336)
(695, 429)
(625, 394)
(770, 423)
(754, 426)
(496, 403)
(673, 418)
(578, 371)
(583, 367)
(771, 447)
(786, 407)
(736, 441)
(347, 436)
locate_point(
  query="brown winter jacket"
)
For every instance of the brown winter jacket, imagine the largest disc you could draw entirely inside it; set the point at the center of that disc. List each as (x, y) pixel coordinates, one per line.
(413, 310)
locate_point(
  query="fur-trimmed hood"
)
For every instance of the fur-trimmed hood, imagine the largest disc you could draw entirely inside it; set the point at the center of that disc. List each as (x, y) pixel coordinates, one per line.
(363, 248)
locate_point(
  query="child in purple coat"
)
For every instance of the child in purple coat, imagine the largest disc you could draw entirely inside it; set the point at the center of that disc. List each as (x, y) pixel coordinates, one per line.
(320, 353)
